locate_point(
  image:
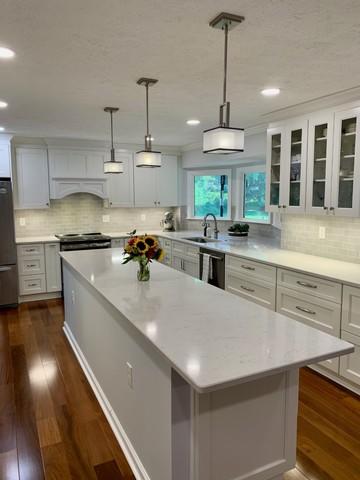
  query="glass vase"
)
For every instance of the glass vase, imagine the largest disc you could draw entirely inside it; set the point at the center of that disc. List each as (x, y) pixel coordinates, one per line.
(143, 273)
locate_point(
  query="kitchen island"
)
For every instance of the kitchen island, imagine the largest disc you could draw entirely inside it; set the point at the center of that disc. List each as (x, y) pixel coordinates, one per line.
(196, 383)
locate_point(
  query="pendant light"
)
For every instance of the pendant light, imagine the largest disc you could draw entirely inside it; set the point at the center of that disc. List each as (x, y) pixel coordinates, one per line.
(224, 139)
(112, 166)
(147, 157)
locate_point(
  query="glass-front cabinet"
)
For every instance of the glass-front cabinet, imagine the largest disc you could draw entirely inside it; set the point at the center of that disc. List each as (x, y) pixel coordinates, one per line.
(320, 159)
(286, 167)
(345, 196)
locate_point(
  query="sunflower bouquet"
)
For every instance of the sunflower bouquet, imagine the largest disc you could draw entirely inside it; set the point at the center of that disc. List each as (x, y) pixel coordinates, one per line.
(142, 249)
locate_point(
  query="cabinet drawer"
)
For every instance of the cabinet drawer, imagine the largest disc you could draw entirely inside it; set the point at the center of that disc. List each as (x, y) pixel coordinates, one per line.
(251, 269)
(308, 284)
(165, 243)
(31, 284)
(351, 310)
(30, 249)
(350, 364)
(185, 250)
(117, 243)
(315, 312)
(178, 248)
(32, 265)
(252, 289)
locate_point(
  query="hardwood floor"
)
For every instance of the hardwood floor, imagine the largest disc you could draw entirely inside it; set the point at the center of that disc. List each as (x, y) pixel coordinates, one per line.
(51, 426)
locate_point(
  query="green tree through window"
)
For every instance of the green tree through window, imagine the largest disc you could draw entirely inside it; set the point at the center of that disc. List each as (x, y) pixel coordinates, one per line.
(254, 197)
(211, 195)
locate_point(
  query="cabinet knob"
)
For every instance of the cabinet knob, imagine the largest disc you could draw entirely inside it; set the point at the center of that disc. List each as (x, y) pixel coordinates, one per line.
(325, 208)
(279, 206)
(284, 206)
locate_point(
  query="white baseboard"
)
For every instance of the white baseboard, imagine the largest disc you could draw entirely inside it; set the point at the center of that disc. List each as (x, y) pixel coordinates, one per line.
(136, 466)
(39, 296)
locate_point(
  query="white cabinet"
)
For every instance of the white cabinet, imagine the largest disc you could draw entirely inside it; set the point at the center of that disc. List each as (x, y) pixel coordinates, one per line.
(286, 167)
(118, 242)
(320, 164)
(156, 187)
(121, 186)
(32, 175)
(351, 310)
(53, 267)
(5, 163)
(166, 245)
(350, 364)
(185, 258)
(346, 164)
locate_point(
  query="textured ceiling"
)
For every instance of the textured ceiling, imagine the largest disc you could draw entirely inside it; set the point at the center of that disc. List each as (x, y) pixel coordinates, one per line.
(76, 56)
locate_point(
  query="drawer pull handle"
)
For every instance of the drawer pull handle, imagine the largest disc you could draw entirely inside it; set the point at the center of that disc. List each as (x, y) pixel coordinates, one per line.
(247, 289)
(31, 265)
(33, 285)
(248, 268)
(305, 284)
(306, 310)
(30, 250)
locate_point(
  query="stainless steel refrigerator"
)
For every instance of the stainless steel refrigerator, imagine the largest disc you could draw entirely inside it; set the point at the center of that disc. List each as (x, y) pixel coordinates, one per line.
(8, 267)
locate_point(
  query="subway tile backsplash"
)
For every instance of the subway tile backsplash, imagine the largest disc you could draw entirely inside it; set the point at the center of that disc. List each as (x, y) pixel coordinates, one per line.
(341, 242)
(83, 212)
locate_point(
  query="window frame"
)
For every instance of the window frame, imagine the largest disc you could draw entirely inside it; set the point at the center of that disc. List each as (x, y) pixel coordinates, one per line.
(191, 193)
(239, 200)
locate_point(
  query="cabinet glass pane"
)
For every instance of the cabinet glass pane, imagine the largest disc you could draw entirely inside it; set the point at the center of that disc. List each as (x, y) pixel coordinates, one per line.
(319, 172)
(347, 159)
(295, 168)
(275, 169)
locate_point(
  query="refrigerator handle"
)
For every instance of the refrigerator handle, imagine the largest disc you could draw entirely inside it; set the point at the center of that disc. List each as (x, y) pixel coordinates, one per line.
(5, 269)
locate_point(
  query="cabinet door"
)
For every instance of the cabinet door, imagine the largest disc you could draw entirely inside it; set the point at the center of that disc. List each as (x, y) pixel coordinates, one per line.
(177, 263)
(351, 310)
(320, 159)
(53, 267)
(345, 194)
(167, 181)
(145, 187)
(293, 179)
(121, 186)
(5, 169)
(32, 178)
(274, 167)
(350, 364)
(191, 268)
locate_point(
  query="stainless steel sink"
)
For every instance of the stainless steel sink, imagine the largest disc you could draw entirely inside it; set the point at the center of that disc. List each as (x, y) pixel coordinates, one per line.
(200, 239)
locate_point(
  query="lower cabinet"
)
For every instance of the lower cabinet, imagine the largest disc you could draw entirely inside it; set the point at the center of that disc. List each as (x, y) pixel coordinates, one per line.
(39, 268)
(166, 245)
(185, 258)
(254, 281)
(350, 364)
(117, 242)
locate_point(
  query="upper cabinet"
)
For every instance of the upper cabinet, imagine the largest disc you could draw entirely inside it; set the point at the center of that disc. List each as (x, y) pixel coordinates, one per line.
(157, 187)
(32, 178)
(313, 164)
(5, 164)
(320, 164)
(346, 166)
(121, 186)
(286, 167)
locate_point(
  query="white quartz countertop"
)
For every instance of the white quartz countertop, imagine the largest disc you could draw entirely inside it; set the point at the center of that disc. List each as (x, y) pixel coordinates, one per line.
(39, 239)
(211, 337)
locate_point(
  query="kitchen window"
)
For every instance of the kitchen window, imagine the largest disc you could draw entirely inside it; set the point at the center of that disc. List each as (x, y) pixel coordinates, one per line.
(251, 187)
(209, 191)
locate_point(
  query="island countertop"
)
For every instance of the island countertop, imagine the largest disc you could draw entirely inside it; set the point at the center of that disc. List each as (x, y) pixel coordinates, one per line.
(211, 337)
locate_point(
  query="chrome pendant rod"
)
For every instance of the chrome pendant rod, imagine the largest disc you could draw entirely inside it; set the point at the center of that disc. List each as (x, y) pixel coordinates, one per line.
(226, 31)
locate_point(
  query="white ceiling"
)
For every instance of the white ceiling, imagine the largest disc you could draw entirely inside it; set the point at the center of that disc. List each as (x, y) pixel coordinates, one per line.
(76, 56)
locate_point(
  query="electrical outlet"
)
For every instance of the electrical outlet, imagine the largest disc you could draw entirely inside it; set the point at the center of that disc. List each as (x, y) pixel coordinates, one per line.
(322, 233)
(73, 297)
(143, 217)
(106, 218)
(130, 378)
(22, 221)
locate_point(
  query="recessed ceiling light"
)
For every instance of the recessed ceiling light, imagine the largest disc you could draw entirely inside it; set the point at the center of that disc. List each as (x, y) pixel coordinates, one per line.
(270, 92)
(193, 122)
(6, 53)
(3, 104)
(2, 129)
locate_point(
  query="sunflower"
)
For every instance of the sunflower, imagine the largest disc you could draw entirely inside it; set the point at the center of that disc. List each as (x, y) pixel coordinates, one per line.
(150, 241)
(141, 246)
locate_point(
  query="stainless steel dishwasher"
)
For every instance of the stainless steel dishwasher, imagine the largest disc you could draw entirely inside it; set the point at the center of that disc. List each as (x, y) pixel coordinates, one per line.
(217, 260)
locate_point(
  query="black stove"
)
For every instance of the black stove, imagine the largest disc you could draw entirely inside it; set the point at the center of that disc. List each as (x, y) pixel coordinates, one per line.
(83, 241)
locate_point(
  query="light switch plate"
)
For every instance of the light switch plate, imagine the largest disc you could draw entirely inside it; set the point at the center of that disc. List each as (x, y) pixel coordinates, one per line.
(106, 218)
(322, 233)
(22, 221)
(130, 378)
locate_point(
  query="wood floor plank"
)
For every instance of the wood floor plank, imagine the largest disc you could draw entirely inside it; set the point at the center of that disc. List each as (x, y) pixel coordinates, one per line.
(29, 455)
(55, 463)
(108, 471)
(7, 400)
(7, 433)
(9, 469)
(48, 432)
